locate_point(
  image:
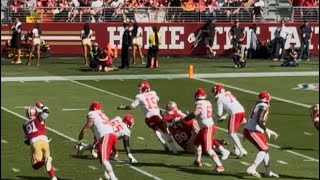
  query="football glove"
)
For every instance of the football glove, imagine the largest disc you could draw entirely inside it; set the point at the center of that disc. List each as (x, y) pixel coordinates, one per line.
(271, 134)
(27, 142)
(131, 158)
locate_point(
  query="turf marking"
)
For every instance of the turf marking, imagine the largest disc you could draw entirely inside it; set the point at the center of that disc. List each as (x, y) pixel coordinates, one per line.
(4, 141)
(47, 81)
(244, 163)
(306, 133)
(92, 167)
(222, 129)
(141, 138)
(79, 109)
(162, 76)
(15, 170)
(21, 107)
(74, 140)
(121, 80)
(254, 93)
(282, 162)
(21, 81)
(207, 164)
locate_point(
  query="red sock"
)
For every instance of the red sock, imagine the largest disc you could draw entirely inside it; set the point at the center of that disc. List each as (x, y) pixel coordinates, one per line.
(38, 165)
(51, 172)
(216, 143)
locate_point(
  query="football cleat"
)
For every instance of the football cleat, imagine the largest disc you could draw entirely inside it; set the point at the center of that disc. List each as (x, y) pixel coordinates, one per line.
(219, 169)
(243, 152)
(269, 173)
(252, 171)
(225, 154)
(236, 152)
(197, 163)
(54, 178)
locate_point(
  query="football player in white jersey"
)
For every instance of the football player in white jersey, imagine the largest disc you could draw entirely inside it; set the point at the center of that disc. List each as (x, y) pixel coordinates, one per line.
(227, 102)
(202, 113)
(254, 132)
(315, 115)
(104, 134)
(148, 101)
(122, 129)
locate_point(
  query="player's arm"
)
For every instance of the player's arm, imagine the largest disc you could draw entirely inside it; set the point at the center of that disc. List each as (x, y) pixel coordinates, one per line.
(85, 128)
(133, 105)
(260, 118)
(194, 114)
(126, 144)
(219, 108)
(25, 138)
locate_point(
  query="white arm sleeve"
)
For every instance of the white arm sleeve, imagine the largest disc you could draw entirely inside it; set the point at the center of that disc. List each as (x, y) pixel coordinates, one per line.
(219, 107)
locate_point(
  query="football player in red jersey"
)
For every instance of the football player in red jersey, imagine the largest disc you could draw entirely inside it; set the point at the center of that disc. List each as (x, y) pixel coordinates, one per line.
(148, 99)
(35, 136)
(315, 115)
(254, 132)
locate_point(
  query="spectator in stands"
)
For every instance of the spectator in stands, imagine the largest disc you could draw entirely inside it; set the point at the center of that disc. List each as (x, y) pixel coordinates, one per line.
(154, 42)
(258, 10)
(232, 8)
(97, 8)
(211, 10)
(84, 8)
(64, 8)
(305, 32)
(236, 34)
(281, 34)
(15, 6)
(126, 43)
(101, 60)
(74, 10)
(294, 4)
(200, 6)
(16, 40)
(116, 5)
(40, 6)
(209, 31)
(36, 43)
(239, 57)
(175, 4)
(85, 36)
(290, 57)
(136, 43)
(30, 5)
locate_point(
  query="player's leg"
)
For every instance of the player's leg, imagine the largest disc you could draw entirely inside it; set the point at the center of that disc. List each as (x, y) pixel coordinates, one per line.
(198, 148)
(152, 123)
(48, 160)
(30, 55)
(37, 155)
(38, 53)
(207, 139)
(233, 126)
(167, 136)
(104, 150)
(225, 153)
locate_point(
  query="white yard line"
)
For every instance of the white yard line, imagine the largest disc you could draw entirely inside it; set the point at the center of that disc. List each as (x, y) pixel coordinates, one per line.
(15, 170)
(282, 162)
(141, 138)
(162, 76)
(126, 98)
(244, 163)
(254, 93)
(306, 133)
(75, 109)
(74, 140)
(4, 141)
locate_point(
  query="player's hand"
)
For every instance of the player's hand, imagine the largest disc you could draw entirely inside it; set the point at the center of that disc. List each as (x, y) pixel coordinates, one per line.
(177, 119)
(271, 134)
(27, 142)
(121, 107)
(131, 158)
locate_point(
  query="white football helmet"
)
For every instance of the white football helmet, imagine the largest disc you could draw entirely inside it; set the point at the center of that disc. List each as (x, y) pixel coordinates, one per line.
(171, 106)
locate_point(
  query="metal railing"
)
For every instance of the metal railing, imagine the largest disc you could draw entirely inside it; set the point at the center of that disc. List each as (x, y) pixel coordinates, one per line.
(148, 14)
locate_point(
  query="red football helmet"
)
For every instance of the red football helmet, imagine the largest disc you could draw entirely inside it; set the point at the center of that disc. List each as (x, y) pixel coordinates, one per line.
(95, 105)
(264, 96)
(200, 94)
(217, 89)
(39, 104)
(144, 86)
(129, 120)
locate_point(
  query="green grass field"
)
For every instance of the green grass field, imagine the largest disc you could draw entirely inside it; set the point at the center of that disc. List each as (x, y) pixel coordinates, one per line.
(294, 155)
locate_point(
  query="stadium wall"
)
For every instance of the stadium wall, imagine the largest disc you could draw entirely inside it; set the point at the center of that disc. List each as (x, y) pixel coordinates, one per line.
(177, 38)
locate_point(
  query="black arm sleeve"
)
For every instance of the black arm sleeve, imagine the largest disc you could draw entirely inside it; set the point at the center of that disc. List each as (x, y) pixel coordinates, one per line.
(260, 119)
(189, 116)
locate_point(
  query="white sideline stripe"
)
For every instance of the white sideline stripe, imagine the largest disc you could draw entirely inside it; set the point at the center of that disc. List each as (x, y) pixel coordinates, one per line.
(4, 141)
(161, 76)
(141, 138)
(255, 93)
(74, 140)
(80, 109)
(92, 167)
(222, 129)
(282, 162)
(244, 163)
(15, 170)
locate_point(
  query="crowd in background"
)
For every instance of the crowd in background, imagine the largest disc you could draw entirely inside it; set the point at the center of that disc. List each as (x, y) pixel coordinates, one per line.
(108, 10)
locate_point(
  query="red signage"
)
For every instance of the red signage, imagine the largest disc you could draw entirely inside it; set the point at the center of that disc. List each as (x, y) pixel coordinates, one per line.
(177, 38)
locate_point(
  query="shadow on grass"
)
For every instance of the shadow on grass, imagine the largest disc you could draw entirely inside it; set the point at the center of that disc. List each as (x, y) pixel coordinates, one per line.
(83, 157)
(296, 148)
(157, 151)
(33, 178)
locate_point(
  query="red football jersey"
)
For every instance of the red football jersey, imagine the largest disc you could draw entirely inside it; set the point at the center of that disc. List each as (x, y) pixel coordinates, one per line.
(34, 128)
(181, 132)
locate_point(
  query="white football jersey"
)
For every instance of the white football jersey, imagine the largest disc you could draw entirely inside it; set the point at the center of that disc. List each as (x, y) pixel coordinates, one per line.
(120, 128)
(101, 125)
(204, 119)
(252, 123)
(228, 103)
(148, 102)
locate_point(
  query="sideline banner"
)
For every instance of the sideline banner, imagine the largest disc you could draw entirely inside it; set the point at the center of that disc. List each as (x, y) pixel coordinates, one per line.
(177, 38)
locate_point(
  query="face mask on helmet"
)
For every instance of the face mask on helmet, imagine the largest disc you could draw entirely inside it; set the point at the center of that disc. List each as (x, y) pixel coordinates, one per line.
(31, 112)
(144, 86)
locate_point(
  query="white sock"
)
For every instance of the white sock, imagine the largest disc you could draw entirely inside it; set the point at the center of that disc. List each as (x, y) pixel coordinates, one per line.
(259, 158)
(109, 170)
(198, 151)
(236, 140)
(266, 160)
(159, 136)
(170, 142)
(214, 157)
(221, 148)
